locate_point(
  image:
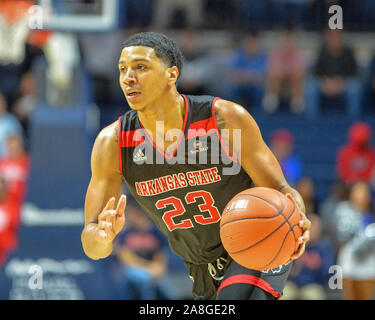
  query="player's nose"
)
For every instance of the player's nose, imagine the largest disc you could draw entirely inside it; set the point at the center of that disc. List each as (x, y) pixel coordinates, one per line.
(129, 77)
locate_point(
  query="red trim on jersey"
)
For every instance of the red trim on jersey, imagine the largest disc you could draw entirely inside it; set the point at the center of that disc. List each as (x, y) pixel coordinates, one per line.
(131, 138)
(207, 125)
(249, 279)
(180, 138)
(120, 143)
(218, 132)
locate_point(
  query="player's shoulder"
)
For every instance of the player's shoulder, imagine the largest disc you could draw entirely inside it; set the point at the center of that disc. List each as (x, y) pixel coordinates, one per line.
(107, 139)
(104, 156)
(209, 102)
(109, 133)
(231, 113)
(229, 107)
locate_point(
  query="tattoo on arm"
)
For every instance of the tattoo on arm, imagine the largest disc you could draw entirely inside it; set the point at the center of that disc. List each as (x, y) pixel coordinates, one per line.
(115, 133)
(224, 133)
(219, 120)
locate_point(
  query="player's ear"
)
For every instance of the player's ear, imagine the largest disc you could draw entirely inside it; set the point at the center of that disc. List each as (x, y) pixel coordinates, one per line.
(173, 74)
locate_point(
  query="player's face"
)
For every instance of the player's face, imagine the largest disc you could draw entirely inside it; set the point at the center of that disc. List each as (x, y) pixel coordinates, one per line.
(143, 76)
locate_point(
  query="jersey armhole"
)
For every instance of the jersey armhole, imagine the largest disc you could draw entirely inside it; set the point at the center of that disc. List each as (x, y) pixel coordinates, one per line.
(218, 131)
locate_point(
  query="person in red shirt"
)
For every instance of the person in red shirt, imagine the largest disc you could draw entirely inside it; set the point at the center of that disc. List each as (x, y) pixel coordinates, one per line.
(9, 221)
(14, 167)
(14, 172)
(356, 160)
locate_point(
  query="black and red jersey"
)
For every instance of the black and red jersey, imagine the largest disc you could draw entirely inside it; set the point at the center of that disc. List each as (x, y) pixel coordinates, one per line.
(185, 192)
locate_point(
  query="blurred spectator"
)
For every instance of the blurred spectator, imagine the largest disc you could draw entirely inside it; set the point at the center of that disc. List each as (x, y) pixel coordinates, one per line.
(338, 193)
(306, 187)
(140, 248)
(336, 73)
(309, 274)
(355, 256)
(286, 73)
(247, 72)
(282, 145)
(355, 161)
(14, 167)
(8, 125)
(192, 79)
(9, 222)
(25, 104)
(178, 13)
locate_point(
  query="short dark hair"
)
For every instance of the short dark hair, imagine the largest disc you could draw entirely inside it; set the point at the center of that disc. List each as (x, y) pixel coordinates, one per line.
(164, 47)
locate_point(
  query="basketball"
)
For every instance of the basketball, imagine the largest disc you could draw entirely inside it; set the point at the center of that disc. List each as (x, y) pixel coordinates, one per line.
(259, 228)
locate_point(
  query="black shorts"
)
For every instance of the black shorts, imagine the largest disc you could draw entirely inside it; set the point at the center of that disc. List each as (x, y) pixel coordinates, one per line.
(238, 283)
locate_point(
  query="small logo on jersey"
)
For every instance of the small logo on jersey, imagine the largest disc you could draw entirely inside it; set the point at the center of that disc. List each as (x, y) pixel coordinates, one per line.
(198, 147)
(139, 156)
(274, 270)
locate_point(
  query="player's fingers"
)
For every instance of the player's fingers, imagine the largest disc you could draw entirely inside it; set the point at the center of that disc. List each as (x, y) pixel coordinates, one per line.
(105, 230)
(300, 251)
(102, 234)
(300, 207)
(110, 216)
(110, 204)
(301, 246)
(305, 237)
(107, 215)
(305, 223)
(104, 225)
(105, 233)
(290, 197)
(121, 205)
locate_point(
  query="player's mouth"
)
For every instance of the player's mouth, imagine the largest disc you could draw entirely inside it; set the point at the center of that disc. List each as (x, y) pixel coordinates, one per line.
(132, 94)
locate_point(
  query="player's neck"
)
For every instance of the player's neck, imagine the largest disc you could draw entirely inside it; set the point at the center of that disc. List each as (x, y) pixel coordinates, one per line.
(168, 110)
(165, 120)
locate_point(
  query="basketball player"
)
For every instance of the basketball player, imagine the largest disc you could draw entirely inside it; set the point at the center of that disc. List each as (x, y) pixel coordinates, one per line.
(153, 148)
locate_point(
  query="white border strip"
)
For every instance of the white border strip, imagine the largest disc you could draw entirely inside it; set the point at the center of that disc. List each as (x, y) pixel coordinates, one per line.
(106, 21)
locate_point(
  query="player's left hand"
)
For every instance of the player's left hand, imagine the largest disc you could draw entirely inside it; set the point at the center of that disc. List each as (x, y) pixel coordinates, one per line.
(305, 225)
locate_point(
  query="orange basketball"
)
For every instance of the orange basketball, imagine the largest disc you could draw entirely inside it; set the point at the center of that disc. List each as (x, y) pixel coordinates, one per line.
(259, 228)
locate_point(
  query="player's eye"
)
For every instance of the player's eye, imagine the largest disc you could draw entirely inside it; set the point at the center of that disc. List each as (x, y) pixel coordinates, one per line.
(141, 67)
(122, 69)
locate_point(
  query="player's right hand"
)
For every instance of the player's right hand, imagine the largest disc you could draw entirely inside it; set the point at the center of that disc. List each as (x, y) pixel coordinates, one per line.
(111, 220)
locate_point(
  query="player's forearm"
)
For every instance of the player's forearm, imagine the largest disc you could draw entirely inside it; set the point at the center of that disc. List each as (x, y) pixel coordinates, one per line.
(92, 247)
